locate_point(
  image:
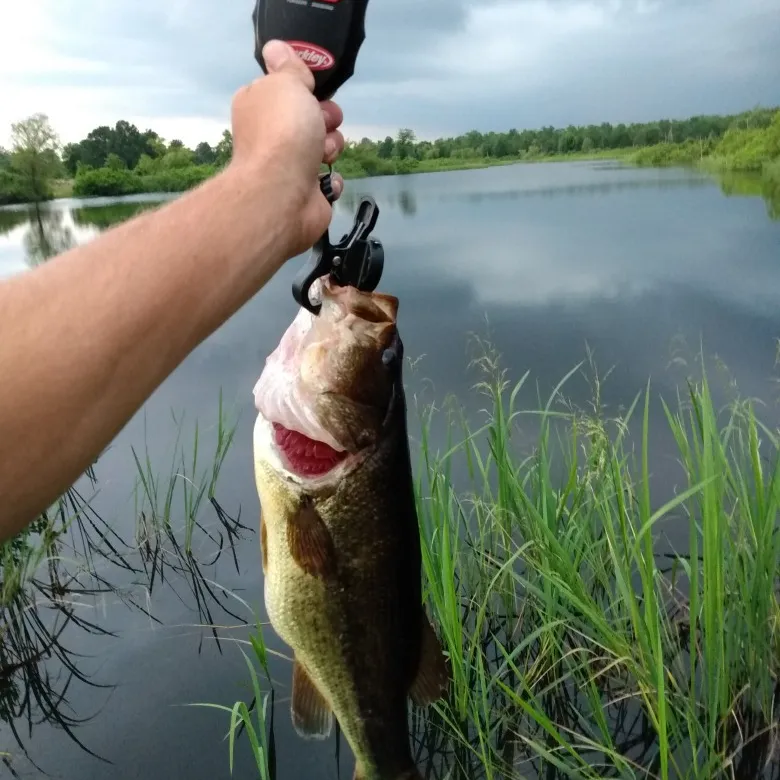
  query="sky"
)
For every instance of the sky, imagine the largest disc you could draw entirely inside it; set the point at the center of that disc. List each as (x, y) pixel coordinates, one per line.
(440, 67)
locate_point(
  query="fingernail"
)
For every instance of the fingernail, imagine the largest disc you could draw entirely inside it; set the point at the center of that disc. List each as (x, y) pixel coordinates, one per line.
(275, 54)
(330, 148)
(338, 185)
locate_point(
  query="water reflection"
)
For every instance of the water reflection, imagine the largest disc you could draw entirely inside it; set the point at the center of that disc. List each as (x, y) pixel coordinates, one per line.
(47, 236)
(72, 560)
(407, 203)
(733, 183)
(405, 200)
(11, 219)
(103, 217)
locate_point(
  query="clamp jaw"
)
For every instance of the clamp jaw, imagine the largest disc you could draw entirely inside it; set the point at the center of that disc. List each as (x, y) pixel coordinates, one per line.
(357, 260)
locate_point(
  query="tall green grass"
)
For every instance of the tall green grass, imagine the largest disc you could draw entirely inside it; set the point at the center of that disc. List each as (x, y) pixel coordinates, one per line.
(579, 646)
(570, 640)
(181, 527)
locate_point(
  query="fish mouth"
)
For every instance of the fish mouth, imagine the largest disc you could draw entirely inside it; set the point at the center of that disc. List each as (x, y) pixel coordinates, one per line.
(303, 456)
(306, 462)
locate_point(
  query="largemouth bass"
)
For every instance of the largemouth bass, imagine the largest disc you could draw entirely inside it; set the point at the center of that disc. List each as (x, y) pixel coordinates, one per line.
(339, 535)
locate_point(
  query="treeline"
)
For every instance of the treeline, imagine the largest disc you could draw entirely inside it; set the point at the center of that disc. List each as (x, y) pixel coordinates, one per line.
(121, 160)
(404, 153)
(743, 147)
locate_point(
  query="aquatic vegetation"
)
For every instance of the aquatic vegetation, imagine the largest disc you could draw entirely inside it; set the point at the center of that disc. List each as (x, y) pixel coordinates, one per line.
(566, 618)
(582, 645)
(168, 508)
(51, 574)
(743, 147)
(664, 154)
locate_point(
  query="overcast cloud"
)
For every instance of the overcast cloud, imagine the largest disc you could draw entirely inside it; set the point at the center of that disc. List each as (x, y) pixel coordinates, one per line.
(439, 66)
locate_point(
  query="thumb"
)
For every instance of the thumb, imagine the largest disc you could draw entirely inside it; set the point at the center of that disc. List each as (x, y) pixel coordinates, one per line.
(281, 57)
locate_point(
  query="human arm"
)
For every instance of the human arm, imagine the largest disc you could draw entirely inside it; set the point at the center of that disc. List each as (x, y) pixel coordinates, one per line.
(88, 337)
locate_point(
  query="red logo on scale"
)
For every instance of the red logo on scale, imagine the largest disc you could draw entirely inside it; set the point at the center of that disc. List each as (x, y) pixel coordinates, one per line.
(315, 57)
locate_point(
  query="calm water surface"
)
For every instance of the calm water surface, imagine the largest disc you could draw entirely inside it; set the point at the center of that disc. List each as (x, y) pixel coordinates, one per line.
(641, 266)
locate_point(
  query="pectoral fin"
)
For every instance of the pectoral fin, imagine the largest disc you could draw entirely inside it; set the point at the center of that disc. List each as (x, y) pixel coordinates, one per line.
(311, 714)
(432, 678)
(311, 545)
(264, 543)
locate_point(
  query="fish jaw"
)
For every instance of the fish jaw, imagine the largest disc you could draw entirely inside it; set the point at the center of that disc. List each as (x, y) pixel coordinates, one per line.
(328, 379)
(280, 396)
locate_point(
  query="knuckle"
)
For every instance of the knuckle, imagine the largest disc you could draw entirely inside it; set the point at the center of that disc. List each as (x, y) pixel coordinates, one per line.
(241, 94)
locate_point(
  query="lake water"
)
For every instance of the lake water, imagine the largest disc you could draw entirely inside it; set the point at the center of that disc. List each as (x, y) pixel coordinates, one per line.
(545, 260)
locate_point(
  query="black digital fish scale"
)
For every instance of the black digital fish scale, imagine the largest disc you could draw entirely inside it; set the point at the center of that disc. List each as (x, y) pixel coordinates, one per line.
(327, 36)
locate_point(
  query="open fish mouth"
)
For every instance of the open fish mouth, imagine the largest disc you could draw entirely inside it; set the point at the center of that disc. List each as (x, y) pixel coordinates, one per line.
(301, 459)
(306, 457)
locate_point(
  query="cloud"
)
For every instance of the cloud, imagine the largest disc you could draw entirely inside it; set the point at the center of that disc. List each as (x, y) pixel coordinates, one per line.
(439, 66)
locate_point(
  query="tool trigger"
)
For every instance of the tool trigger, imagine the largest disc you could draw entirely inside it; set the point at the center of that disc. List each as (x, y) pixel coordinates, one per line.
(326, 186)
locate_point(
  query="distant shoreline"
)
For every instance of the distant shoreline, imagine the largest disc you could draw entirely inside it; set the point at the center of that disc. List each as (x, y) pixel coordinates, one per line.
(63, 188)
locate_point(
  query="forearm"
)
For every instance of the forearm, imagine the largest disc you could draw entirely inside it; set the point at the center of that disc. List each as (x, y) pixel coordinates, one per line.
(86, 339)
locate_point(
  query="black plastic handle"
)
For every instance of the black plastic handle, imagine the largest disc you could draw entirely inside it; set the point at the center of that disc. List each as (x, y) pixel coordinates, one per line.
(327, 35)
(326, 186)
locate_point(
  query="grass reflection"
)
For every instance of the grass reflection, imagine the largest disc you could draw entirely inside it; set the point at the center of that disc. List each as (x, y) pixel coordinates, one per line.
(71, 556)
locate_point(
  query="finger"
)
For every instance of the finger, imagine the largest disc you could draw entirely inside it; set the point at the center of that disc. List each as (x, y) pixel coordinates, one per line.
(337, 183)
(333, 115)
(280, 57)
(334, 146)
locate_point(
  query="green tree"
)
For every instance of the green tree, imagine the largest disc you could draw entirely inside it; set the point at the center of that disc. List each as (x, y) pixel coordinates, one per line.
(115, 163)
(34, 157)
(96, 147)
(404, 143)
(204, 154)
(71, 157)
(225, 148)
(154, 146)
(177, 158)
(128, 143)
(385, 150)
(146, 165)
